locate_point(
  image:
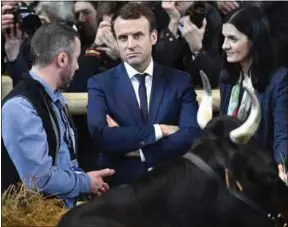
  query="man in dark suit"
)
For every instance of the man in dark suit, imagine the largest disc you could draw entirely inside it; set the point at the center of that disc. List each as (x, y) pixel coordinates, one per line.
(140, 113)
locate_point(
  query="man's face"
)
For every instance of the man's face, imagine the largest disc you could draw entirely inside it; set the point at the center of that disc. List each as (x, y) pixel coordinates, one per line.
(86, 17)
(135, 41)
(68, 72)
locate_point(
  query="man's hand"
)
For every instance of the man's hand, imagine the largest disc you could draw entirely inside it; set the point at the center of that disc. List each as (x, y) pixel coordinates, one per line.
(7, 19)
(226, 7)
(103, 26)
(283, 174)
(13, 41)
(169, 7)
(98, 186)
(111, 123)
(168, 130)
(174, 14)
(110, 48)
(192, 34)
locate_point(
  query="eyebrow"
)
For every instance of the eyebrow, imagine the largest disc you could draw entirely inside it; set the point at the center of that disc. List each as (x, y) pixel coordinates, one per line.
(135, 33)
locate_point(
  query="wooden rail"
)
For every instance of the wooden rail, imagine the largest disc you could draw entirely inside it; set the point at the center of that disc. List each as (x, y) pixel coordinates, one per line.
(77, 102)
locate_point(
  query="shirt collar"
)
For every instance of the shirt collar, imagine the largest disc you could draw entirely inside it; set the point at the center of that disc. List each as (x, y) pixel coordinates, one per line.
(55, 95)
(132, 72)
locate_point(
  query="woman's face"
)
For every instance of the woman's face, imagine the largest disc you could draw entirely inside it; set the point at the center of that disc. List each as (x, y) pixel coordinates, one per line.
(236, 44)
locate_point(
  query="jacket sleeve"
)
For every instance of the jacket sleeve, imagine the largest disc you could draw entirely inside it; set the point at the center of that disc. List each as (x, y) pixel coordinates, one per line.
(26, 142)
(281, 117)
(180, 142)
(17, 68)
(117, 140)
(168, 48)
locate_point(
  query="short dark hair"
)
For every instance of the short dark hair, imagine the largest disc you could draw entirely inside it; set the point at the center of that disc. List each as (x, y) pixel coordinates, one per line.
(251, 21)
(134, 11)
(50, 40)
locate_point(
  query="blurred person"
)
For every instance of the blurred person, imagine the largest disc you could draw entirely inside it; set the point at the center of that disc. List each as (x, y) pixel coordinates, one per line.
(139, 113)
(105, 44)
(18, 59)
(86, 16)
(55, 11)
(249, 62)
(191, 45)
(37, 130)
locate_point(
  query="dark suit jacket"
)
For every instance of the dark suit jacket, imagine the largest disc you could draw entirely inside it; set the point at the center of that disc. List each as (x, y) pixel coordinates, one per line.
(172, 102)
(273, 130)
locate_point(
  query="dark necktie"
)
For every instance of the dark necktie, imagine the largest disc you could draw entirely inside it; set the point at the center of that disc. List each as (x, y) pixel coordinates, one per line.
(143, 97)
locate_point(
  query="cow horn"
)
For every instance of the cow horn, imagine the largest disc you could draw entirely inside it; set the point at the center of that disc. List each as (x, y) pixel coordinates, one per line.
(205, 111)
(242, 134)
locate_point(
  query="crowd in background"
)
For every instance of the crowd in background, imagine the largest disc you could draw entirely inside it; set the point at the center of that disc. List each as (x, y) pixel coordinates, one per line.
(189, 40)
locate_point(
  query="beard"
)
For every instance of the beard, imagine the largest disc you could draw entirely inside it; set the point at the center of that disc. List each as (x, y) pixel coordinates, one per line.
(66, 78)
(87, 35)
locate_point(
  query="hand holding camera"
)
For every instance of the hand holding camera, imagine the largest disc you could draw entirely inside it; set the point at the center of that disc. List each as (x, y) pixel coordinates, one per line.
(174, 14)
(226, 7)
(12, 33)
(105, 40)
(171, 10)
(103, 26)
(22, 15)
(13, 40)
(6, 18)
(192, 34)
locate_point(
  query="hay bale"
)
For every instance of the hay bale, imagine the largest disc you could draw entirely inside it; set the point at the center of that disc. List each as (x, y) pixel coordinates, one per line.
(24, 207)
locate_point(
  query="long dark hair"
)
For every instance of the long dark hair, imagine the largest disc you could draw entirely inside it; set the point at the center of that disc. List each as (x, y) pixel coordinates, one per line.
(251, 21)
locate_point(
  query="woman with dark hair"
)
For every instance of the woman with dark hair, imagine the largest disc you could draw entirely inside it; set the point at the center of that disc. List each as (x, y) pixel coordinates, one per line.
(249, 62)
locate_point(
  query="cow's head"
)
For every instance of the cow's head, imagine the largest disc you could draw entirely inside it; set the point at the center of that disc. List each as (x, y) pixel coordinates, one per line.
(231, 146)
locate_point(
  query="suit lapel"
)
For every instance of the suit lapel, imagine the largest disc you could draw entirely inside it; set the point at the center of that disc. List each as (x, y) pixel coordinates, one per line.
(127, 96)
(157, 91)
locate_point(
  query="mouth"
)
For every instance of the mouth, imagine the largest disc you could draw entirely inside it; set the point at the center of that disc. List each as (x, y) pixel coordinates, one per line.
(132, 55)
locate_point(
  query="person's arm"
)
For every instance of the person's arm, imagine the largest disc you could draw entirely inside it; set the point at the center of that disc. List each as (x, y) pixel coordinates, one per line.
(25, 140)
(117, 140)
(281, 118)
(14, 60)
(168, 48)
(208, 57)
(17, 68)
(180, 142)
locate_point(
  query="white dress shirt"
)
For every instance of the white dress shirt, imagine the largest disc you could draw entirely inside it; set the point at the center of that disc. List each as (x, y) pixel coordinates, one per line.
(148, 84)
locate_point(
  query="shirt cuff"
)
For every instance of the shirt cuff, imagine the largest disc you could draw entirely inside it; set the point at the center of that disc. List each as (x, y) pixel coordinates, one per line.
(86, 182)
(142, 156)
(158, 136)
(158, 132)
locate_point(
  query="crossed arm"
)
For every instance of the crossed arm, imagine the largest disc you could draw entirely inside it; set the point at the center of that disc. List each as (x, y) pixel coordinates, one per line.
(115, 139)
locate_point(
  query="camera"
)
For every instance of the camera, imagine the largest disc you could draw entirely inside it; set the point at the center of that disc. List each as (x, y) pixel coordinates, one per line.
(25, 16)
(197, 12)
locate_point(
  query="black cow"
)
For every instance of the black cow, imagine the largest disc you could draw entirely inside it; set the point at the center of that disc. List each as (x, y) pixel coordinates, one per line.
(225, 180)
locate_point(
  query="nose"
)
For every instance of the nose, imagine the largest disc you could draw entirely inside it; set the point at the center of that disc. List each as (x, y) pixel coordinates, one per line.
(81, 18)
(131, 42)
(226, 44)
